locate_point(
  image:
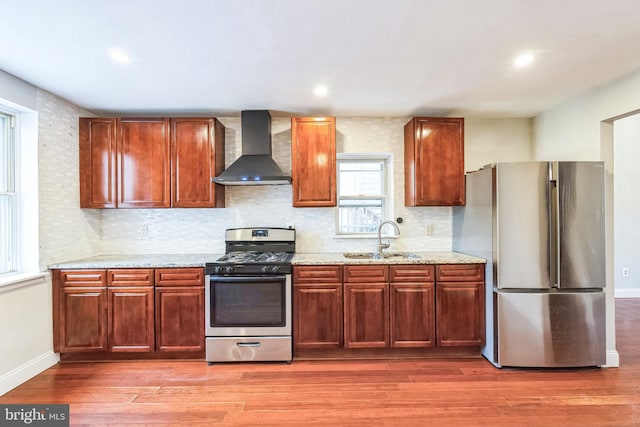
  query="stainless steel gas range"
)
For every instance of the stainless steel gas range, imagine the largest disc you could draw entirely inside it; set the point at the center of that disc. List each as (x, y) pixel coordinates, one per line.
(248, 297)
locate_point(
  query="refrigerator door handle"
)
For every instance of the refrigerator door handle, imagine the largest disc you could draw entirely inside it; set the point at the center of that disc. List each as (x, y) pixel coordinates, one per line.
(554, 229)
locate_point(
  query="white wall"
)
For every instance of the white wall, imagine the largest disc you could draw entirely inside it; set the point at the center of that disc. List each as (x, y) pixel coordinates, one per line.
(26, 345)
(626, 134)
(496, 140)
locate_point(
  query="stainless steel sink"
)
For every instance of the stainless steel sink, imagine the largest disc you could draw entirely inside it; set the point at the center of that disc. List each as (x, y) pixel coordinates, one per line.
(385, 255)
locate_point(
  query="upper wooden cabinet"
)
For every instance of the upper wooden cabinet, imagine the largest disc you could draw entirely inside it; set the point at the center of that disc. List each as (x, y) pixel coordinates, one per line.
(197, 155)
(143, 163)
(434, 161)
(98, 163)
(313, 161)
(150, 162)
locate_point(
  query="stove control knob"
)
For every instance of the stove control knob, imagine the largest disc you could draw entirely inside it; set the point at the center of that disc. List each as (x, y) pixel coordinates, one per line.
(218, 269)
(265, 269)
(275, 269)
(228, 269)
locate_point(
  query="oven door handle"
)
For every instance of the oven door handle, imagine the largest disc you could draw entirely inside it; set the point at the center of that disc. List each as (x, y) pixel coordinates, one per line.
(246, 278)
(249, 344)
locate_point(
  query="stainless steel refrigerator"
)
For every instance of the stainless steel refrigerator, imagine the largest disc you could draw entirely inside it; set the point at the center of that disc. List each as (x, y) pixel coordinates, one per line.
(541, 227)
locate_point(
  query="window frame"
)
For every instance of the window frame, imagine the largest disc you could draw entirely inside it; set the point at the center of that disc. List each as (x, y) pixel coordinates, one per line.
(387, 196)
(11, 265)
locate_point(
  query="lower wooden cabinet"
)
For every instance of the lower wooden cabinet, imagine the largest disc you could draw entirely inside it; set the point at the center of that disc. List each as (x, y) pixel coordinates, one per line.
(179, 309)
(128, 310)
(366, 315)
(131, 319)
(398, 306)
(460, 305)
(83, 319)
(317, 307)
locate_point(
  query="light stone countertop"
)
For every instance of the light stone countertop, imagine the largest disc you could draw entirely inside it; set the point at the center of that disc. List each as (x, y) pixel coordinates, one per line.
(443, 257)
(199, 260)
(139, 261)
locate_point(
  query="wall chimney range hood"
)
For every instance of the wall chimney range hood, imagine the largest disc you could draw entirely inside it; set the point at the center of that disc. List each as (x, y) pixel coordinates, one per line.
(255, 166)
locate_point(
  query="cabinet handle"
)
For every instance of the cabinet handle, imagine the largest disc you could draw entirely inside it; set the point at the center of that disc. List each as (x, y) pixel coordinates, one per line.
(249, 344)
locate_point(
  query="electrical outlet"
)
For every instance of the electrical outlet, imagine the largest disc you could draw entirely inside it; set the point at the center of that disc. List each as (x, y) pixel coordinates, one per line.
(144, 231)
(429, 229)
(625, 271)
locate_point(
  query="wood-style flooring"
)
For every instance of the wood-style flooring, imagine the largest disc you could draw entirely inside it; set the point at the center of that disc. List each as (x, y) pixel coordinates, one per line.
(412, 392)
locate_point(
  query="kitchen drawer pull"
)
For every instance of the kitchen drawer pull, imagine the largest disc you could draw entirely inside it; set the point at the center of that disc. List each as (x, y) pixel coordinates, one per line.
(249, 344)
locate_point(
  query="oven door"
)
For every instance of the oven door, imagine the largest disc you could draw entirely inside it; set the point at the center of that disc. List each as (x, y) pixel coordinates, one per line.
(239, 306)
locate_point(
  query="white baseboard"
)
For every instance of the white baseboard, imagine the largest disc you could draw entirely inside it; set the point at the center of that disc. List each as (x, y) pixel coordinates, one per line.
(613, 359)
(25, 372)
(628, 293)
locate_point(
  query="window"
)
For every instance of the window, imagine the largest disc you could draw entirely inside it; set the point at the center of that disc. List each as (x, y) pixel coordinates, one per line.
(363, 193)
(8, 197)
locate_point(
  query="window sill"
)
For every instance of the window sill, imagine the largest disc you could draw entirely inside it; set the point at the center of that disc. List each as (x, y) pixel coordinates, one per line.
(18, 281)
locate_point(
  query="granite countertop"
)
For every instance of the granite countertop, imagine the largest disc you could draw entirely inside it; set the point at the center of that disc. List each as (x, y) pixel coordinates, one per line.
(139, 261)
(444, 257)
(199, 260)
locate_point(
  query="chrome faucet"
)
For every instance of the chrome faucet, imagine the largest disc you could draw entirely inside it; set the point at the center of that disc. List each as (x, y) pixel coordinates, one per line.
(386, 244)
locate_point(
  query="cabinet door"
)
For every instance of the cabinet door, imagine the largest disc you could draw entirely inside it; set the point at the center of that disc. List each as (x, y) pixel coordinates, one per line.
(434, 161)
(412, 315)
(143, 163)
(97, 163)
(317, 315)
(366, 315)
(313, 161)
(197, 155)
(131, 319)
(83, 319)
(460, 313)
(180, 318)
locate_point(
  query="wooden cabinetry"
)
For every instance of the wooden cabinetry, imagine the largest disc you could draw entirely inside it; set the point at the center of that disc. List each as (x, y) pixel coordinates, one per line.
(460, 305)
(98, 163)
(394, 305)
(197, 155)
(366, 306)
(80, 321)
(434, 161)
(150, 162)
(115, 311)
(412, 298)
(313, 161)
(179, 309)
(317, 306)
(143, 163)
(131, 322)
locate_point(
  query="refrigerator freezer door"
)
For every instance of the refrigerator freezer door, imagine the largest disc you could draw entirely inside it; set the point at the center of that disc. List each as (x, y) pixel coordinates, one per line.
(538, 329)
(521, 226)
(581, 224)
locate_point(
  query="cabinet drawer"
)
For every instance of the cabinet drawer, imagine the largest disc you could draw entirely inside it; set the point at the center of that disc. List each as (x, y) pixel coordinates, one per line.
(411, 273)
(179, 277)
(366, 273)
(83, 278)
(317, 274)
(131, 277)
(460, 272)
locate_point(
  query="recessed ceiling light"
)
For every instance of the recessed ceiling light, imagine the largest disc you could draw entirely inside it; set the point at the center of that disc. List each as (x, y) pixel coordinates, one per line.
(119, 56)
(523, 59)
(320, 91)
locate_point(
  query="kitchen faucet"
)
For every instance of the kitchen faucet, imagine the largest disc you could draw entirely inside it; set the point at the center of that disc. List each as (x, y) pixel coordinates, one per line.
(386, 244)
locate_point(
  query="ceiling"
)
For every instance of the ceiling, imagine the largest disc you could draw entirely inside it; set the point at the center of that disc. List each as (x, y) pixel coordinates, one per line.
(376, 57)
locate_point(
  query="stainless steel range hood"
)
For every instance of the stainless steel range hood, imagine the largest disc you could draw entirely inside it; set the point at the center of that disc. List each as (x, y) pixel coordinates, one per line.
(255, 166)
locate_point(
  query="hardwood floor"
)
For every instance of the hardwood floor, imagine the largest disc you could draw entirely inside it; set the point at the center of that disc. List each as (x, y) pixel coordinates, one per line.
(416, 392)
